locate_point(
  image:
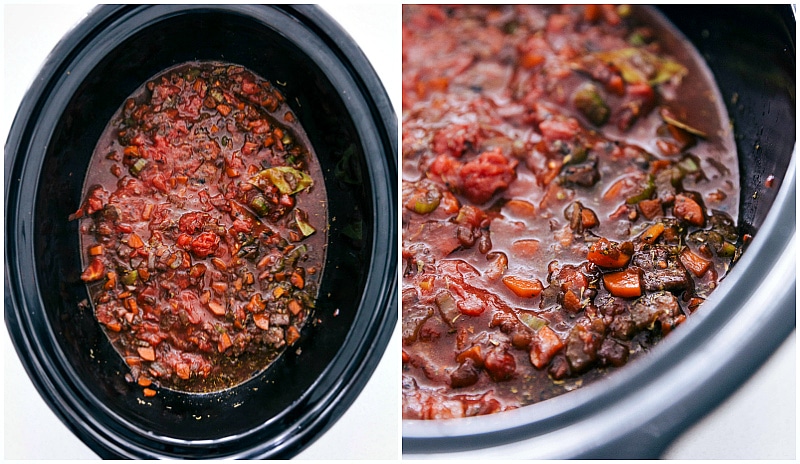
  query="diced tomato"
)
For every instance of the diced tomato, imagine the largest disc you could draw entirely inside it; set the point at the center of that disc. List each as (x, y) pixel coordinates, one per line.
(559, 129)
(205, 244)
(482, 177)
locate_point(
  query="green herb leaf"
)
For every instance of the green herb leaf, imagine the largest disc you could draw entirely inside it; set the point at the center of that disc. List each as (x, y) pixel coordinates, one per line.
(637, 65)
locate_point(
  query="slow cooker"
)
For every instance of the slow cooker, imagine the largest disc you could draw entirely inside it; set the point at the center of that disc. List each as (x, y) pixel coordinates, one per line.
(640, 409)
(298, 399)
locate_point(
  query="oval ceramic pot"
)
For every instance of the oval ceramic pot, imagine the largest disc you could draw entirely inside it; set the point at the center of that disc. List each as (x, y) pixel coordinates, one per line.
(640, 409)
(346, 112)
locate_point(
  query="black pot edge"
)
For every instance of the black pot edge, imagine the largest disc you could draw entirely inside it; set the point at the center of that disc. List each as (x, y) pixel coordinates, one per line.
(382, 323)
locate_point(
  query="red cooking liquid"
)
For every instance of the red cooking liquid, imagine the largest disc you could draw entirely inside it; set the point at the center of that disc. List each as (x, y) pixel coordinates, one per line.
(204, 226)
(570, 192)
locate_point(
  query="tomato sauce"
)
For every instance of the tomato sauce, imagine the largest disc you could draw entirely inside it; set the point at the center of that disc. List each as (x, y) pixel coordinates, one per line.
(203, 225)
(569, 197)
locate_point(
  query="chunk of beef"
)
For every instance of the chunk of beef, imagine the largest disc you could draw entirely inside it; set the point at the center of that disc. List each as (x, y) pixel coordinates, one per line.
(661, 307)
(583, 343)
(663, 270)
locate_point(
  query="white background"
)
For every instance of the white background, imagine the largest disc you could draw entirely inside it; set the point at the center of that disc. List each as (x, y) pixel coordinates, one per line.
(758, 422)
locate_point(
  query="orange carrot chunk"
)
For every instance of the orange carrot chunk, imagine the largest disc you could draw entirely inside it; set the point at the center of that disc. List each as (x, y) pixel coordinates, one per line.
(473, 353)
(525, 288)
(147, 353)
(608, 254)
(694, 262)
(625, 284)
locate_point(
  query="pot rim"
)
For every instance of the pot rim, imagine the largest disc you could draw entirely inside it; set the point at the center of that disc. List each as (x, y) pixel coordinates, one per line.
(359, 354)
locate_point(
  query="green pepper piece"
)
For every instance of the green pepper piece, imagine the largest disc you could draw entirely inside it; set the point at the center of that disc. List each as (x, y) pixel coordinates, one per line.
(637, 65)
(646, 193)
(305, 228)
(589, 102)
(138, 166)
(286, 179)
(533, 321)
(129, 278)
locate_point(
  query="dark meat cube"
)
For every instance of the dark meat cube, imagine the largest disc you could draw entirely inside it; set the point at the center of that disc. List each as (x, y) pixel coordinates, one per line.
(659, 307)
(662, 270)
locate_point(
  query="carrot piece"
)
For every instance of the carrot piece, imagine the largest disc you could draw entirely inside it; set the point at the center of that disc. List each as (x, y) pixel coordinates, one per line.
(589, 219)
(653, 232)
(147, 353)
(111, 280)
(183, 370)
(694, 262)
(624, 284)
(261, 320)
(439, 83)
(531, 60)
(591, 13)
(473, 353)
(525, 248)
(216, 308)
(525, 288)
(616, 189)
(134, 241)
(95, 250)
(520, 208)
(224, 342)
(219, 287)
(144, 382)
(616, 85)
(223, 109)
(608, 254)
(114, 326)
(295, 307)
(149, 392)
(292, 335)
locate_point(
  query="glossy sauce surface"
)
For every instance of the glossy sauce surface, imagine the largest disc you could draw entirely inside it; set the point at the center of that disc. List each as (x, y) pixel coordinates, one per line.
(570, 193)
(204, 225)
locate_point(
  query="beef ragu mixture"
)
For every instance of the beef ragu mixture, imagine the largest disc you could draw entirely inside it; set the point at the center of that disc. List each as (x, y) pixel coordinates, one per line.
(569, 197)
(203, 222)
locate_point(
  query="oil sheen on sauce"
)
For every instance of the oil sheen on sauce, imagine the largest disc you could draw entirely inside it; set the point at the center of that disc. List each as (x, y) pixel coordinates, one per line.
(570, 195)
(204, 226)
